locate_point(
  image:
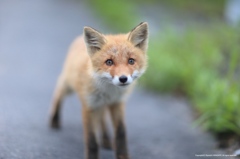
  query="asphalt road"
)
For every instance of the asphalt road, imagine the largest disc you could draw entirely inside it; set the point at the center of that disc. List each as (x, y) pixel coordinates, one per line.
(34, 38)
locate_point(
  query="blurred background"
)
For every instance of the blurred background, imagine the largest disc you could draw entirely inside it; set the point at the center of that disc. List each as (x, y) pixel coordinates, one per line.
(194, 60)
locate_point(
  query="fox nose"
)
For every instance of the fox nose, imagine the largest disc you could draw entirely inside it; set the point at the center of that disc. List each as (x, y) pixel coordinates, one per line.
(123, 79)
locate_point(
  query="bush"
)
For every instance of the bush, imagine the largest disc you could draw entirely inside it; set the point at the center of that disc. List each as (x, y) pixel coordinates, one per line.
(195, 63)
(121, 15)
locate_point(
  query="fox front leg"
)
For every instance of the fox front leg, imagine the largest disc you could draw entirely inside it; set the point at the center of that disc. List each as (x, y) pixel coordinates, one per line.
(105, 138)
(90, 137)
(117, 115)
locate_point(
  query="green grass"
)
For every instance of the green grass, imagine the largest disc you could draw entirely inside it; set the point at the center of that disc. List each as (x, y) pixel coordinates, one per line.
(202, 63)
(195, 64)
(121, 15)
(202, 7)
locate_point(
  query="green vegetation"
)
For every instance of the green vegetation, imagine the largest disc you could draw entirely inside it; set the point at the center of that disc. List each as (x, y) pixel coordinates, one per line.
(202, 63)
(118, 14)
(202, 7)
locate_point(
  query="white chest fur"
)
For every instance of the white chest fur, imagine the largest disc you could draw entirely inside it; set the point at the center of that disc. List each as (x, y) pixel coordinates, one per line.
(105, 94)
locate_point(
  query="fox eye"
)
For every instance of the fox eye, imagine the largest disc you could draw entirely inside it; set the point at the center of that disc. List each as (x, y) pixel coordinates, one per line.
(109, 62)
(131, 61)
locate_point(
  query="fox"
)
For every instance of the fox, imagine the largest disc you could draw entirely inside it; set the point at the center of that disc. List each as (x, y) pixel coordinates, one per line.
(102, 69)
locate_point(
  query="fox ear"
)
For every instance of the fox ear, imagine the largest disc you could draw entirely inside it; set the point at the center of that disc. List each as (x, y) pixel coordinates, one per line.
(139, 36)
(93, 39)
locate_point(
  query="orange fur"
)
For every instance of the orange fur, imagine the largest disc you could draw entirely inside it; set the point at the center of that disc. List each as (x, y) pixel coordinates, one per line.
(98, 85)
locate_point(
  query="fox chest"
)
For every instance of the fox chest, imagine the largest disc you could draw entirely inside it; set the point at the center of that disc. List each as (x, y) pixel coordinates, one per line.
(105, 96)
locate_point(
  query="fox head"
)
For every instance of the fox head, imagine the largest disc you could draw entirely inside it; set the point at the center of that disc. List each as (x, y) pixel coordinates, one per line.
(118, 59)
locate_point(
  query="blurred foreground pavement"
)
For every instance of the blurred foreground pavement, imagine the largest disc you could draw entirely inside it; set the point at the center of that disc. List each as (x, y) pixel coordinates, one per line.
(34, 38)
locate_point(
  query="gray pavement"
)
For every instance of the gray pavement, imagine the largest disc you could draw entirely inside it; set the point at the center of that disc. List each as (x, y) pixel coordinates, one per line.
(34, 38)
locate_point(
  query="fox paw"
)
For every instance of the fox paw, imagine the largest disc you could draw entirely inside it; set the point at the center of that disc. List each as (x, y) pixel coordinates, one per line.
(123, 157)
(106, 144)
(54, 123)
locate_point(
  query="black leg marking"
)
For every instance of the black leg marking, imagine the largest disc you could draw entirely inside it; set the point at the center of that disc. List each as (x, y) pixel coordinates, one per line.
(121, 142)
(106, 142)
(55, 118)
(55, 121)
(92, 147)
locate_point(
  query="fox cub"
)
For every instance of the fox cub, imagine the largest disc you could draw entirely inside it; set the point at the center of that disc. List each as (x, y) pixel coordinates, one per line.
(102, 69)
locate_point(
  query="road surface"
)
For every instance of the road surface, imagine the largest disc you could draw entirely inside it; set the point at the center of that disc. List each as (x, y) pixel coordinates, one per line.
(34, 38)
